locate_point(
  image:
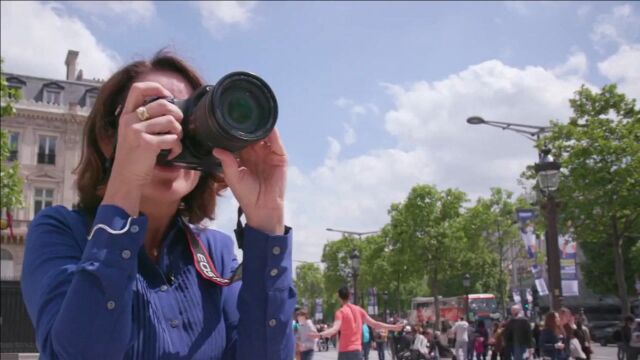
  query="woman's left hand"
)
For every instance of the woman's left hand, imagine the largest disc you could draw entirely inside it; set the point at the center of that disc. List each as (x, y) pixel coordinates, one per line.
(258, 182)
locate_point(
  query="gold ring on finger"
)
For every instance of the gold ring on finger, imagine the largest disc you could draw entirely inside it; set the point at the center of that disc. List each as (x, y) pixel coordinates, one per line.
(142, 113)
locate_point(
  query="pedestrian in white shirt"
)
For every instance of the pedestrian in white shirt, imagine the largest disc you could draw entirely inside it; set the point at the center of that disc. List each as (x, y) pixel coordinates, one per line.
(460, 329)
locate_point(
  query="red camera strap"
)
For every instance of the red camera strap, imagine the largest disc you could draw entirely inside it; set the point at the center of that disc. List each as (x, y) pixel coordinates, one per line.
(203, 263)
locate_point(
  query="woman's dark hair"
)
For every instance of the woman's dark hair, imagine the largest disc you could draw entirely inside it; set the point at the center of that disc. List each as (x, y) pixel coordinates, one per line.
(102, 123)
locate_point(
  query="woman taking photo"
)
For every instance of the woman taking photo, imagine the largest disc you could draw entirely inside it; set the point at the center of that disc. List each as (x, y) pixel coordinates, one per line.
(117, 278)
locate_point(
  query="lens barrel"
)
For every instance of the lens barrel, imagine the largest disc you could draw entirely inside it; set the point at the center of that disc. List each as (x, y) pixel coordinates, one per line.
(240, 110)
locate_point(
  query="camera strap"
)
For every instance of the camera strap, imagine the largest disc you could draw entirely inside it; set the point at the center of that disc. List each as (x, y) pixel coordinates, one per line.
(202, 261)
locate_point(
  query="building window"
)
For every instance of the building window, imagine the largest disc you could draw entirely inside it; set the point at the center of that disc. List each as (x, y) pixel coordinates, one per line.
(52, 96)
(42, 198)
(47, 150)
(7, 266)
(13, 146)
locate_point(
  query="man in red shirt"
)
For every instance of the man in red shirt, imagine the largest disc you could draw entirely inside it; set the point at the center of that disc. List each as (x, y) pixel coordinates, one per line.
(348, 320)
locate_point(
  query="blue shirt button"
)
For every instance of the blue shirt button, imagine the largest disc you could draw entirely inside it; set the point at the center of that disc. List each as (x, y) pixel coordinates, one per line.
(174, 323)
(134, 229)
(126, 254)
(111, 305)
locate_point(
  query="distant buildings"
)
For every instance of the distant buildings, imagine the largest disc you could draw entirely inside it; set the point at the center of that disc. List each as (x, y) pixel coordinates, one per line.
(46, 133)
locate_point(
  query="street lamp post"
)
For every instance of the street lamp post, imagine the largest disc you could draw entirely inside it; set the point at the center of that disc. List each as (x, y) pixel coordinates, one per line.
(355, 267)
(548, 172)
(548, 180)
(466, 282)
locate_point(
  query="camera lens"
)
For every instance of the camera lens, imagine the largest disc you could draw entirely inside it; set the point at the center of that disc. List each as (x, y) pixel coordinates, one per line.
(241, 110)
(246, 105)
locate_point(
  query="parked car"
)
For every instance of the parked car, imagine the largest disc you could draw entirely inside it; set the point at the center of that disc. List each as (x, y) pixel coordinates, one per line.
(602, 332)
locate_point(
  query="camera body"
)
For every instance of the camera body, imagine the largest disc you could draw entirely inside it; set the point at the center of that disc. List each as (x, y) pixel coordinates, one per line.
(239, 110)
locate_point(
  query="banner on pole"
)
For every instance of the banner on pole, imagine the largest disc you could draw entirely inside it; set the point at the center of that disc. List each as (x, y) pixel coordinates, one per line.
(531, 241)
(568, 256)
(372, 303)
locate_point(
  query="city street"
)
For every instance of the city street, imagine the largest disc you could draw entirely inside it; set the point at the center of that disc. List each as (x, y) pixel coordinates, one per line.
(600, 353)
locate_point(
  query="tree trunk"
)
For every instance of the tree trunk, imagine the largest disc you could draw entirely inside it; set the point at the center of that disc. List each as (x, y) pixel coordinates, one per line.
(618, 260)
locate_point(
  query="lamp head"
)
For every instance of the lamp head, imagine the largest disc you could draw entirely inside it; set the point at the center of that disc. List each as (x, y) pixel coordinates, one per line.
(475, 120)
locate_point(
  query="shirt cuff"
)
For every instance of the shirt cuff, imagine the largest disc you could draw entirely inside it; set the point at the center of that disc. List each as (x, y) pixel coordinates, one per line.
(116, 239)
(268, 256)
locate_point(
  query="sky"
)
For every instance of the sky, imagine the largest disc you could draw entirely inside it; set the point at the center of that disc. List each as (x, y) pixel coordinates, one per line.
(372, 96)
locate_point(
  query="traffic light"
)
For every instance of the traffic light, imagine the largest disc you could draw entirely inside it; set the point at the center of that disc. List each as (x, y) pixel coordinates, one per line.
(524, 301)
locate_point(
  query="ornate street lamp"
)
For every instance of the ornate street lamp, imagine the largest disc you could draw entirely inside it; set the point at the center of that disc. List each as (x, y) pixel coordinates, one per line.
(548, 172)
(466, 282)
(355, 268)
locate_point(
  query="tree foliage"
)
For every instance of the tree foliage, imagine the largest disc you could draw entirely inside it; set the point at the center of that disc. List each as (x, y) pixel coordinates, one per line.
(10, 178)
(599, 149)
(309, 284)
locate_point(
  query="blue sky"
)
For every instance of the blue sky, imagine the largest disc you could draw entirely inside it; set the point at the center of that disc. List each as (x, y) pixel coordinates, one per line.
(372, 95)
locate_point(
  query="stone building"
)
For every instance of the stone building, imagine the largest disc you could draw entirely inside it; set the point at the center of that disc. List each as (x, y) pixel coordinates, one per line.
(46, 135)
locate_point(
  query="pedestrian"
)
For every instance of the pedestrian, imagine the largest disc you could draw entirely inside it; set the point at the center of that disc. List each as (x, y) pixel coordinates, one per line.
(305, 342)
(567, 323)
(623, 335)
(536, 339)
(634, 343)
(380, 338)
(131, 273)
(460, 329)
(348, 320)
(584, 337)
(367, 339)
(481, 341)
(552, 338)
(517, 335)
(498, 349)
(434, 344)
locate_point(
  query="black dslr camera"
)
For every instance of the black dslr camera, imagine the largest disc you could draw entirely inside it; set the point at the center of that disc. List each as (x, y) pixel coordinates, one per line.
(239, 110)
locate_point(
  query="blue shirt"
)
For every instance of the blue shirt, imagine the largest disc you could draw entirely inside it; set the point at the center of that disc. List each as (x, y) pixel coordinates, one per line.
(104, 298)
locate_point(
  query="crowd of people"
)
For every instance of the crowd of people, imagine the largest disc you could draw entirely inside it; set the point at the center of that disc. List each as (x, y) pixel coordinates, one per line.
(561, 336)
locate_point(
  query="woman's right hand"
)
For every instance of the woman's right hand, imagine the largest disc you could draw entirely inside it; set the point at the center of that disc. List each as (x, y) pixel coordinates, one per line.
(139, 143)
(559, 346)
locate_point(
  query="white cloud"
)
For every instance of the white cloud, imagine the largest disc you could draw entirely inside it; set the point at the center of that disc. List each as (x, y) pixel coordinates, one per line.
(357, 109)
(618, 27)
(576, 65)
(349, 134)
(134, 12)
(49, 32)
(434, 145)
(623, 67)
(217, 16)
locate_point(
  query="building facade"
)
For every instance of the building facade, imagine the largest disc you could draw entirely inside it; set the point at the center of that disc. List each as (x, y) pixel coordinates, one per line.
(46, 138)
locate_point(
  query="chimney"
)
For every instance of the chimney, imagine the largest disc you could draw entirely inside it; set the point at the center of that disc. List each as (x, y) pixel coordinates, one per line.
(71, 62)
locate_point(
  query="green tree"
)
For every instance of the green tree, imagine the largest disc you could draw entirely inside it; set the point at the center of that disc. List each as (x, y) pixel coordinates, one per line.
(10, 179)
(309, 284)
(599, 149)
(335, 256)
(491, 234)
(427, 231)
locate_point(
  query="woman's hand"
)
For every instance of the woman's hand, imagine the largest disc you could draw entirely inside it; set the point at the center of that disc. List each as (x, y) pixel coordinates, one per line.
(139, 143)
(258, 182)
